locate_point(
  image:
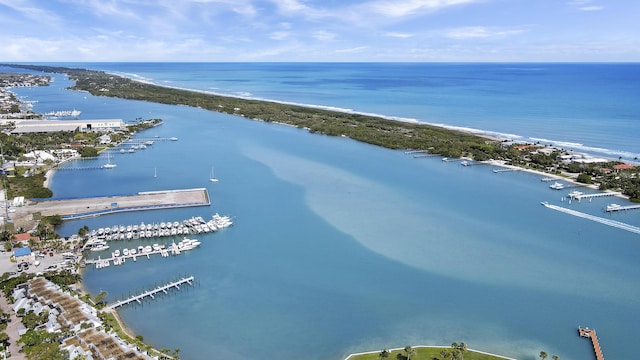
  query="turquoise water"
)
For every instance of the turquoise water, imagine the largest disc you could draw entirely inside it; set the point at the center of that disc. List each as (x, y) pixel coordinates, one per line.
(341, 247)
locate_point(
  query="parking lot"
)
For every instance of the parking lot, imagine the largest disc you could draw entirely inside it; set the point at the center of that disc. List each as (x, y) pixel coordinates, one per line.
(46, 263)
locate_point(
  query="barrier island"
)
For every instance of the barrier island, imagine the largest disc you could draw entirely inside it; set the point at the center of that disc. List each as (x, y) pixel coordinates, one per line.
(386, 132)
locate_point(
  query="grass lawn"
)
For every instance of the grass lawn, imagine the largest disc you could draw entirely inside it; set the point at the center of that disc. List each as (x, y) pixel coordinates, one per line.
(424, 353)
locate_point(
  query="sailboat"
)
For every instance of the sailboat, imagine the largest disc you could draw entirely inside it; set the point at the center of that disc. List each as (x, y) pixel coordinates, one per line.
(212, 178)
(108, 165)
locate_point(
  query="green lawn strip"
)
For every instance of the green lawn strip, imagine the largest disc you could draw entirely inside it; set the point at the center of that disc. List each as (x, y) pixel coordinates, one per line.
(425, 353)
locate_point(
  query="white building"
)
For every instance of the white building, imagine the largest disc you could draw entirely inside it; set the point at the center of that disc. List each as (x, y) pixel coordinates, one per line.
(102, 125)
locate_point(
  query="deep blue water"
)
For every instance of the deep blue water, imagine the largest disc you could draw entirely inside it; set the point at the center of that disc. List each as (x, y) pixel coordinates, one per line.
(340, 246)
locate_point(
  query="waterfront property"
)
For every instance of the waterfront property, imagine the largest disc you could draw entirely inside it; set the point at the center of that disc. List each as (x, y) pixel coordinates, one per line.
(43, 126)
(66, 311)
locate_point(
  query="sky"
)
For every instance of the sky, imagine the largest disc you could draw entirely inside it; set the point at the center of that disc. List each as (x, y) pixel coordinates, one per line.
(320, 30)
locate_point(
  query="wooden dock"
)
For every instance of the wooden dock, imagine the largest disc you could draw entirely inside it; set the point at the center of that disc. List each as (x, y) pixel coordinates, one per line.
(591, 334)
(150, 293)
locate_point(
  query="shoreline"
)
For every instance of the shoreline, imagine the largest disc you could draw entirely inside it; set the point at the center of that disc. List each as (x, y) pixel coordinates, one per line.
(353, 355)
(570, 178)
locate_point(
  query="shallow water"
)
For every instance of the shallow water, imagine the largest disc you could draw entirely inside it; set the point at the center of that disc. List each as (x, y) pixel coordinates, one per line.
(340, 246)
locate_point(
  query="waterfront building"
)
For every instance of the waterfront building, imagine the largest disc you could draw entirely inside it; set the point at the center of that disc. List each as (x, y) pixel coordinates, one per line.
(35, 126)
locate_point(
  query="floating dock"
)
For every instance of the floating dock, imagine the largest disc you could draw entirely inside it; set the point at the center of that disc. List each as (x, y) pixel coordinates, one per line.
(591, 334)
(137, 298)
(78, 208)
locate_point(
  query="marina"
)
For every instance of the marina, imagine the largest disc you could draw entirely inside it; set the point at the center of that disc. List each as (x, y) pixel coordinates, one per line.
(84, 207)
(143, 251)
(194, 225)
(137, 298)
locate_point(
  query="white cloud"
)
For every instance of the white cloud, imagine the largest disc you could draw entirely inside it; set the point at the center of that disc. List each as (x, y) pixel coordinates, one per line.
(399, 35)
(479, 32)
(279, 35)
(352, 50)
(591, 8)
(409, 7)
(323, 35)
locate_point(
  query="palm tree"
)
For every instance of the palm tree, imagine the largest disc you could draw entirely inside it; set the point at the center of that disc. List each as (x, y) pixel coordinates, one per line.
(384, 354)
(555, 357)
(410, 351)
(462, 347)
(543, 355)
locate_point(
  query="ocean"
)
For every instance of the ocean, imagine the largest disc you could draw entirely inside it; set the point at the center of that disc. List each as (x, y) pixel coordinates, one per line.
(340, 246)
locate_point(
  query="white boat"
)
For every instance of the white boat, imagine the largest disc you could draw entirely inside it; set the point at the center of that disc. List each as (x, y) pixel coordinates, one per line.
(557, 186)
(212, 177)
(108, 165)
(613, 207)
(125, 252)
(116, 253)
(99, 247)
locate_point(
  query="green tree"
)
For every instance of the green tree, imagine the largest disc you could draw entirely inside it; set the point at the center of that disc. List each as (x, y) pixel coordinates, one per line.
(384, 354)
(555, 357)
(88, 151)
(584, 178)
(100, 297)
(409, 351)
(543, 355)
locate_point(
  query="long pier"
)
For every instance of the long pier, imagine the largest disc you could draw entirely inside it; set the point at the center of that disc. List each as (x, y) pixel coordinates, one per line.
(591, 334)
(613, 223)
(577, 195)
(616, 207)
(151, 293)
(505, 170)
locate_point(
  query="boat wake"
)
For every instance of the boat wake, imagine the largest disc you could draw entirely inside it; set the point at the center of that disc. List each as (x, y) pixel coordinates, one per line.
(613, 223)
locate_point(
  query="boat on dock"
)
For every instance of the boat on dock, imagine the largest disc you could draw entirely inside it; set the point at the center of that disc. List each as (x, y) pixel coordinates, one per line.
(557, 186)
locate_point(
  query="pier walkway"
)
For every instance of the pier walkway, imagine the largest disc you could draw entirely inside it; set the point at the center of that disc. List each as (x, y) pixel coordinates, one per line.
(505, 170)
(613, 223)
(151, 293)
(83, 207)
(591, 334)
(616, 207)
(577, 195)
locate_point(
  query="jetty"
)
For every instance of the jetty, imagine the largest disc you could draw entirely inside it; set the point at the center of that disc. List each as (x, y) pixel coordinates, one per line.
(578, 195)
(150, 293)
(591, 334)
(84, 207)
